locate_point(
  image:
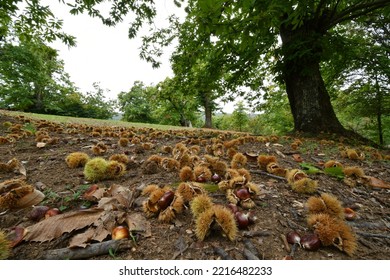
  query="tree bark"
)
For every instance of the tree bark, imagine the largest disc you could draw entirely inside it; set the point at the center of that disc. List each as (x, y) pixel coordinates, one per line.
(207, 111)
(309, 100)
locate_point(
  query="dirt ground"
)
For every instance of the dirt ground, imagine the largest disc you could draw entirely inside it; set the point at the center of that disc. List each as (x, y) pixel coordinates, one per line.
(277, 207)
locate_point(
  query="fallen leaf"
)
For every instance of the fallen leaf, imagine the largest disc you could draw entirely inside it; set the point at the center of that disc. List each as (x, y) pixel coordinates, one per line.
(297, 157)
(16, 235)
(82, 239)
(280, 153)
(55, 226)
(309, 168)
(137, 222)
(22, 169)
(41, 144)
(335, 172)
(376, 183)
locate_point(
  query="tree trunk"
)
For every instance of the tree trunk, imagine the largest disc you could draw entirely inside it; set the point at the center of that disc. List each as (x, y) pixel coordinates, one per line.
(379, 110)
(208, 111)
(309, 100)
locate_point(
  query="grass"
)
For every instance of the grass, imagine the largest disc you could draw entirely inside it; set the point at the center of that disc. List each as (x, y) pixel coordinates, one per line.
(92, 122)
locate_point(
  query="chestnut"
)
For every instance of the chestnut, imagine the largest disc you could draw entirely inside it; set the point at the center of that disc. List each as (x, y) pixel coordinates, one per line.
(349, 214)
(201, 179)
(233, 207)
(166, 200)
(293, 237)
(38, 212)
(242, 220)
(242, 193)
(311, 242)
(120, 232)
(215, 178)
(52, 212)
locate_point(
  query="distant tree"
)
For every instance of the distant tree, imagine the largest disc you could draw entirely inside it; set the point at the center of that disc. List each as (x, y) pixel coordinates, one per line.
(173, 104)
(32, 77)
(97, 105)
(287, 38)
(135, 104)
(360, 81)
(240, 116)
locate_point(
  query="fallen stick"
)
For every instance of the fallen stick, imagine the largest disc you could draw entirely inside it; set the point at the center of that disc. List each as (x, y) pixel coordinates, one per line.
(249, 255)
(267, 174)
(255, 233)
(92, 250)
(249, 246)
(222, 253)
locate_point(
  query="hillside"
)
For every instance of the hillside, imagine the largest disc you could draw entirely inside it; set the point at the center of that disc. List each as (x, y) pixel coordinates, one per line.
(286, 183)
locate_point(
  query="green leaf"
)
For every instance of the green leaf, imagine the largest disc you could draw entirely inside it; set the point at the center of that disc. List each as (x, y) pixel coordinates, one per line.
(335, 172)
(309, 168)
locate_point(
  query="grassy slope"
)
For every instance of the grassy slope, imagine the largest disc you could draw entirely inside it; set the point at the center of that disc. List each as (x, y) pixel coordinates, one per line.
(88, 121)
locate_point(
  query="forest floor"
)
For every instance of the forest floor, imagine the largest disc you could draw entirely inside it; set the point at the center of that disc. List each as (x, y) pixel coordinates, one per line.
(85, 221)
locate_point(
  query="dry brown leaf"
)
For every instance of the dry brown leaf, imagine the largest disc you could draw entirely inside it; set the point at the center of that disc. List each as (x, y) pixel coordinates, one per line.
(297, 157)
(138, 222)
(55, 226)
(16, 235)
(94, 193)
(82, 239)
(376, 183)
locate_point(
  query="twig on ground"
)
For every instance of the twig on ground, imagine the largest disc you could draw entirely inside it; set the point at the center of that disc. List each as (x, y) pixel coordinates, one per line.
(94, 249)
(222, 253)
(267, 174)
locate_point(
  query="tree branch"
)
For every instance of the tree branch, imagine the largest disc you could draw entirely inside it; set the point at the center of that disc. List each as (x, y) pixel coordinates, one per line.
(357, 10)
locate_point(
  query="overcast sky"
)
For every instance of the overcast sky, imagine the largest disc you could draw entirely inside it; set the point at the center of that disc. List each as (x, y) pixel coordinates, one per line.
(106, 54)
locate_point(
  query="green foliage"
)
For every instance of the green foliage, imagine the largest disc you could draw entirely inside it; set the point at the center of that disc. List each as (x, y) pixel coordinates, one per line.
(240, 118)
(96, 104)
(30, 19)
(359, 82)
(135, 104)
(173, 105)
(336, 172)
(31, 77)
(308, 168)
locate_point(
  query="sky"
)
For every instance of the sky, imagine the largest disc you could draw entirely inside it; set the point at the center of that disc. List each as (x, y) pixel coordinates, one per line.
(106, 54)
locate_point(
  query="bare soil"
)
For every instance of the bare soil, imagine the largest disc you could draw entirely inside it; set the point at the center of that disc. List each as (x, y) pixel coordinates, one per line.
(278, 208)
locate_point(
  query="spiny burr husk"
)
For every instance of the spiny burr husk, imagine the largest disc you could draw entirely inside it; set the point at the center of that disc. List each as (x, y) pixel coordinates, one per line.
(95, 169)
(220, 216)
(326, 203)
(76, 159)
(332, 163)
(200, 204)
(15, 194)
(353, 171)
(5, 246)
(264, 160)
(186, 174)
(172, 210)
(120, 158)
(238, 161)
(203, 171)
(305, 185)
(333, 231)
(115, 169)
(189, 190)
